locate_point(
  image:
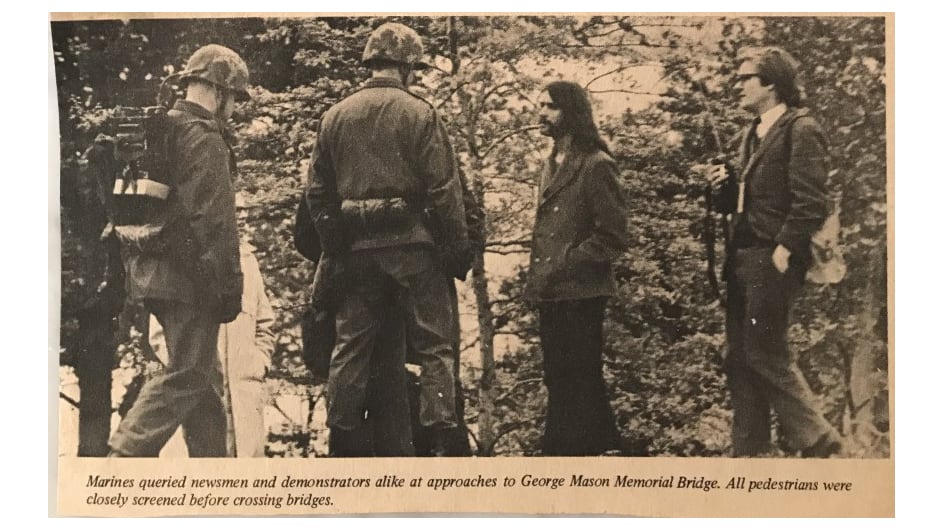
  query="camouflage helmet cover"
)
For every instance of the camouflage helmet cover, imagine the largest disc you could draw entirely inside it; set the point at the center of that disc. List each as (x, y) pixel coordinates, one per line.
(220, 66)
(395, 43)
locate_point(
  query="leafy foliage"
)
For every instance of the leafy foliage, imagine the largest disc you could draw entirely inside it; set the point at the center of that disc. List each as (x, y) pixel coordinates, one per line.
(664, 329)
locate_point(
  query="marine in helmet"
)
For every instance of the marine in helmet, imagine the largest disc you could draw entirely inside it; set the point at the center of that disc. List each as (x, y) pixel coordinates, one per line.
(394, 45)
(386, 199)
(193, 282)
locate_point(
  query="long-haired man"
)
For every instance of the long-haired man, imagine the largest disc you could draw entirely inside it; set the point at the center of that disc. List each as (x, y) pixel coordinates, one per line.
(579, 230)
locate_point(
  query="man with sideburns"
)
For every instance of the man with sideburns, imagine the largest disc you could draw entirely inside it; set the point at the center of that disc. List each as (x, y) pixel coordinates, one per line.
(777, 201)
(579, 231)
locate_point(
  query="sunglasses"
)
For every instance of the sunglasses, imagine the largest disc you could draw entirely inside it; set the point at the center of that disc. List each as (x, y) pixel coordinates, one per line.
(549, 105)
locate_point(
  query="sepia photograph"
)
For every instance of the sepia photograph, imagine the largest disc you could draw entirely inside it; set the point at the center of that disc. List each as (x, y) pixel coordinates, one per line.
(595, 249)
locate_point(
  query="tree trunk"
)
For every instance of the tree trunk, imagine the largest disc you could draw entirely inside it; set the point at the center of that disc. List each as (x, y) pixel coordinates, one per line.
(93, 368)
(486, 420)
(867, 366)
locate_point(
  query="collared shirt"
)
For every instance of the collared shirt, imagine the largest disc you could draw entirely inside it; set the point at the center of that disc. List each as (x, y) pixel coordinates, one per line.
(769, 118)
(383, 81)
(743, 235)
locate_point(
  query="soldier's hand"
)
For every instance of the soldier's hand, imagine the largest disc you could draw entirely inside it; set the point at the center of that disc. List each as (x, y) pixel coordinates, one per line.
(228, 307)
(457, 259)
(332, 232)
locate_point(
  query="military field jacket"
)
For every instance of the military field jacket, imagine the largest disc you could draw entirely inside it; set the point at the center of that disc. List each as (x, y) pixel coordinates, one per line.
(202, 217)
(383, 142)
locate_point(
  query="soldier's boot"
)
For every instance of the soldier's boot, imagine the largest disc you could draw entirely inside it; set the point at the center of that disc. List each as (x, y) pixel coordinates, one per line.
(443, 442)
(456, 442)
(115, 452)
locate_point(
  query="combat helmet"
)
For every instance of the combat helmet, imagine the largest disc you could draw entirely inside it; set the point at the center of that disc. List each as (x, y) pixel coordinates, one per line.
(219, 66)
(396, 43)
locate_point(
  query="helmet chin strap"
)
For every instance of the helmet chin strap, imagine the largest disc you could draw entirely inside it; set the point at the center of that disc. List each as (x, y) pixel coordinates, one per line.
(220, 101)
(405, 72)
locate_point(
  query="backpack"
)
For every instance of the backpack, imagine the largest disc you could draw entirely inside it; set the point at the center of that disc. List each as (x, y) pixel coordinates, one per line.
(129, 163)
(827, 265)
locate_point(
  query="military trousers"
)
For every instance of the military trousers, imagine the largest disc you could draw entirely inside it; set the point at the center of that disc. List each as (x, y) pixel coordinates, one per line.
(409, 280)
(387, 413)
(384, 429)
(187, 393)
(762, 374)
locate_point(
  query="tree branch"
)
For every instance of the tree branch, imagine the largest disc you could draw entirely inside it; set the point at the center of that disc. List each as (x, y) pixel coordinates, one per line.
(520, 333)
(621, 45)
(506, 136)
(290, 308)
(667, 25)
(453, 35)
(517, 384)
(495, 302)
(624, 91)
(466, 346)
(492, 91)
(506, 243)
(495, 89)
(603, 34)
(508, 428)
(614, 71)
(474, 438)
(522, 181)
(452, 92)
(275, 405)
(72, 402)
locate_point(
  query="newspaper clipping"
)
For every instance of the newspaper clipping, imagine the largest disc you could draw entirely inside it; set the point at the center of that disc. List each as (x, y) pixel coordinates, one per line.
(615, 264)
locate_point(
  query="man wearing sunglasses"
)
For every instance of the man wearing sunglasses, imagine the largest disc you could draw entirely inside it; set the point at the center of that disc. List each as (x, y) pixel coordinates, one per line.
(776, 202)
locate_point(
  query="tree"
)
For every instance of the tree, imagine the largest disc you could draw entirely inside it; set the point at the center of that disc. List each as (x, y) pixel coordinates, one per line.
(665, 106)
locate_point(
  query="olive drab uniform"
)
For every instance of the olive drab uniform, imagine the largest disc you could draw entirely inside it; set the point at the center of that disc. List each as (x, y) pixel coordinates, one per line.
(384, 144)
(386, 411)
(194, 281)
